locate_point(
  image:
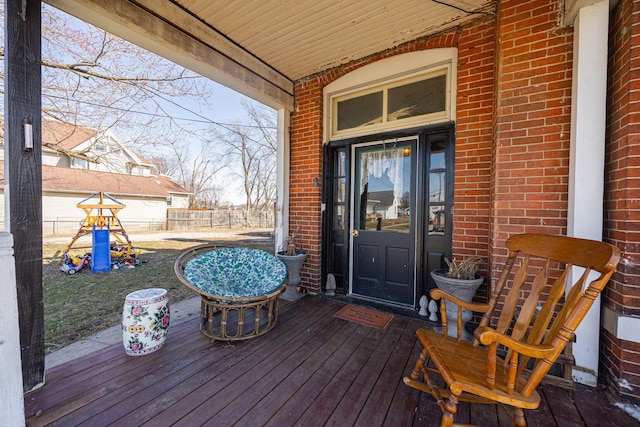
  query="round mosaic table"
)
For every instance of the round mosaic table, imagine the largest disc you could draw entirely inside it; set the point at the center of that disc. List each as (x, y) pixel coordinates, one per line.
(239, 289)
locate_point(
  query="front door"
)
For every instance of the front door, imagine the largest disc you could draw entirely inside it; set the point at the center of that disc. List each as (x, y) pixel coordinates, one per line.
(383, 243)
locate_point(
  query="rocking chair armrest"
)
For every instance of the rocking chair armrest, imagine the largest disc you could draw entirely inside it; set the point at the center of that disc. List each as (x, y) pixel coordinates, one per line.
(438, 294)
(487, 336)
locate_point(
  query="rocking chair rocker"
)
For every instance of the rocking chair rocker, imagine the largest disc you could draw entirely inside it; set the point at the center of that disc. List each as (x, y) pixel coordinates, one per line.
(530, 332)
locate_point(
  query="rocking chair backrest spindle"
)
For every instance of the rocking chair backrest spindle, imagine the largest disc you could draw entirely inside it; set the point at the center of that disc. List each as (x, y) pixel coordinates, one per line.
(540, 305)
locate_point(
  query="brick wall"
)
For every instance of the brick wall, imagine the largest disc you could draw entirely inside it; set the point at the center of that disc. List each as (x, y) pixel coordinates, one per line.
(620, 361)
(532, 123)
(512, 148)
(473, 144)
(306, 164)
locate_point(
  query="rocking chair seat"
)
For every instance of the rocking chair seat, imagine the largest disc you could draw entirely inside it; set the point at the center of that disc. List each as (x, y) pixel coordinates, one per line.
(464, 367)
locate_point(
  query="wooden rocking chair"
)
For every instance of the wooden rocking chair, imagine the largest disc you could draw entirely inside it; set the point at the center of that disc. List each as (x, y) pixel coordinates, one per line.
(530, 332)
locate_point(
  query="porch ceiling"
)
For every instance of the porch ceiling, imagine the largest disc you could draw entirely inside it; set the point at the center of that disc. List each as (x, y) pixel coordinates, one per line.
(302, 37)
(259, 48)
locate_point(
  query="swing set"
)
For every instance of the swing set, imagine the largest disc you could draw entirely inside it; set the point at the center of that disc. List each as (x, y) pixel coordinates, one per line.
(101, 212)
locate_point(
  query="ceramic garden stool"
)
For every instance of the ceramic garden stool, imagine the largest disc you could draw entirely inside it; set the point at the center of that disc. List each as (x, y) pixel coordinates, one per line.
(145, 321)
(239, 289)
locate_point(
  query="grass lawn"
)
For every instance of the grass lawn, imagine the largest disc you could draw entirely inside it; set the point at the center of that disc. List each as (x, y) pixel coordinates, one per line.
(79, 305)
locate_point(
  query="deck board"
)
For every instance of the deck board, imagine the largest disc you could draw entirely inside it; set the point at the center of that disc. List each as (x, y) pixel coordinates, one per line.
(312, 369)
(307, 394)
(270, 403)
(362, 387)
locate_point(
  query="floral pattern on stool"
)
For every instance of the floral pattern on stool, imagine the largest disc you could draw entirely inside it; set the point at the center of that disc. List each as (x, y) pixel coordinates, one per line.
(145, 321)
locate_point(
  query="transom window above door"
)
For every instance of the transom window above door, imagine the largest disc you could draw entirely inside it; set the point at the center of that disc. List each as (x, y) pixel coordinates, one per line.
(410, 90)
(424, 98)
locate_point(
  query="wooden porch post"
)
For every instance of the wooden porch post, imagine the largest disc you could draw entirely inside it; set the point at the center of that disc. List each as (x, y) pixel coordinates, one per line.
(282, 180)
(23, 176)
(586, 163)
(11, 401)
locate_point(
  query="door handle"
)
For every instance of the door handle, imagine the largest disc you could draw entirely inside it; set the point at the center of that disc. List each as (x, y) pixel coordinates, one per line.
(355, 233)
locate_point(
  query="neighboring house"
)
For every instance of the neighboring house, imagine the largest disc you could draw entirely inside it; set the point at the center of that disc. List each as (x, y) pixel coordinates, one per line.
(68, 145)
(146, 198)
(78, 162)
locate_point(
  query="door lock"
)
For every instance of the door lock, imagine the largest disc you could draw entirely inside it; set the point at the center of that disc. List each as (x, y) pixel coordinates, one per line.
(355, 233)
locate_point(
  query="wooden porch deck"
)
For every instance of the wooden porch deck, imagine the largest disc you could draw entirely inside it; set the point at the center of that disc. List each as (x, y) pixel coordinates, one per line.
(312, 369)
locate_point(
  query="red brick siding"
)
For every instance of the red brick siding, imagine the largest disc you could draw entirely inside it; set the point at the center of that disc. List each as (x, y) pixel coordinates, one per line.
(474, 117)
(622, 194)
(623, 157)
(306, 164)
(532, 123)
(620, 366)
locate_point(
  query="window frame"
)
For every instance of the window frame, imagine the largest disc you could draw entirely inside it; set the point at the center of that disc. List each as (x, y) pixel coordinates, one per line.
(387, 74)
(386, 124)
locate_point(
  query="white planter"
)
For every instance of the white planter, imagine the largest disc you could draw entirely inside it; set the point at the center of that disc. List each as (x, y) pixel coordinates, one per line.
(462, 289)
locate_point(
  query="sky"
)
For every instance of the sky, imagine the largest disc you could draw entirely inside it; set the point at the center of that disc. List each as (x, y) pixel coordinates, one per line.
(226, 108)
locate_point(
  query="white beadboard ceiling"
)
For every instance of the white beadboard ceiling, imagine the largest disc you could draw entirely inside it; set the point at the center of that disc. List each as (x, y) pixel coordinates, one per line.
(302, 37)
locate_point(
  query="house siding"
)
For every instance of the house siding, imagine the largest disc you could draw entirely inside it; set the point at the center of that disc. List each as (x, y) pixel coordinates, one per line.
(473, 145)
(61, 214)
(512, 148)
(620, 361)
(530, 176)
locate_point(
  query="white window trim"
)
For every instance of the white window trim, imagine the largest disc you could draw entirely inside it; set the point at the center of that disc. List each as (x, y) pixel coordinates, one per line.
(385, 72)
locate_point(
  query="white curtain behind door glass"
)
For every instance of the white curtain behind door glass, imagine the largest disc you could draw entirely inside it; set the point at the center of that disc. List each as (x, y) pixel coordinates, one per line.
(384, 162)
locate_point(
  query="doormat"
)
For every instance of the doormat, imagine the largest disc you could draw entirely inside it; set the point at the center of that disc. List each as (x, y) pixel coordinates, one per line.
(364, 316)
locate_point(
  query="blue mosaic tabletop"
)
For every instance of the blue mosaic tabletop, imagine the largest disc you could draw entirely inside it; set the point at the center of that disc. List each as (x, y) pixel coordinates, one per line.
(236, 272)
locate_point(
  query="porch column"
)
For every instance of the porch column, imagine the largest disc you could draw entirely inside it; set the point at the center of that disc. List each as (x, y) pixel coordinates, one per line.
(11, 403)
(586, 163)
(282, 179)
(23, 176)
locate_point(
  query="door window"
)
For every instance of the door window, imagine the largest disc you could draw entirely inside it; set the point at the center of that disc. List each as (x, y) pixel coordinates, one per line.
(437, 187)
(385, 189)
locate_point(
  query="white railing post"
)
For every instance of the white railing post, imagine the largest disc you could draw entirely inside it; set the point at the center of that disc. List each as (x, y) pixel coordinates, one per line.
(11, 401)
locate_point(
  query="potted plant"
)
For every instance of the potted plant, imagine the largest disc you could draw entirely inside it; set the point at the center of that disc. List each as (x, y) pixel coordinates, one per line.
(293, 258)
(462, 281)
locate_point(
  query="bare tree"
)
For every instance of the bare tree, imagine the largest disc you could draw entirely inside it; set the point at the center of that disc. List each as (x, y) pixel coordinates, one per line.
(253, 150)
(197, 172)
(165, 164)
(94, 80)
